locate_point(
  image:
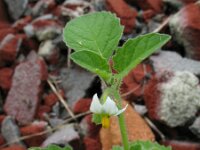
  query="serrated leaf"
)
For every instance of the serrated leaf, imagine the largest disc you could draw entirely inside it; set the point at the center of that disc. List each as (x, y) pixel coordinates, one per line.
(92, 62)
(137, 49)
(54, 147)
(117, 148)
(67, 148)
(51, 147)
(147, 145)
(96, 118)
(36, 148)
(99, 32)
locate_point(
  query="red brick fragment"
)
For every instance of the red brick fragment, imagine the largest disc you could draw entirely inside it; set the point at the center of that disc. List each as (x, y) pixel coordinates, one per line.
(156, 5)
(43, 28)
(43, 6)
(9, 47)
(6, 78)
(182, 145)
(15, 147)
(4, 25)
(188, 1)
(133, 83)
(82, 105)
(185, 25)
(124, 12)
(92, 128)
(4, 32)
(3, 14)
(2, 117)
(51, 99)
(92, 144)
(34, 129)
(43, 23)
(42, 110)
(152, 98)
(5, 29)
(148, 14)
(24, 96)
(20, 24)
(2, 140)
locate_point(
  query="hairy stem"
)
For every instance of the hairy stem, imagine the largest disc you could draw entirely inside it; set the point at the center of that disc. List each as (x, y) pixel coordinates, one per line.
(121, 119)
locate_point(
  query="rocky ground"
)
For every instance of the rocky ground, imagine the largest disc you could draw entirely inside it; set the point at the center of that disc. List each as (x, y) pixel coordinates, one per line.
(45, 98)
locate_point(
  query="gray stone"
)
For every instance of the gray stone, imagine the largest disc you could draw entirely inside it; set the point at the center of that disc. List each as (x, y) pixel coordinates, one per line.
(75, 82)
(195, 127)
(55, 122)
(16, 8)
(141, 109)
(179, 99)
(48, 50)
(10, 131)
(172, 61)
(48, 33)
(63, 136)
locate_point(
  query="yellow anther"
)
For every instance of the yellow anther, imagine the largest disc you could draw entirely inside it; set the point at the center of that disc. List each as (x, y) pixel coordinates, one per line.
(105, 122)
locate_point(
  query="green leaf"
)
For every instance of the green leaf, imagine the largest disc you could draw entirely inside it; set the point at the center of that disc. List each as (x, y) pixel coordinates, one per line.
(96, 119)
(117, 148)
(67, 148)
(51, 147)
(99, 32)
(36, 148)
(54, 147)
(93, 62)
(135, 50)
(143, 145)
(147, 145)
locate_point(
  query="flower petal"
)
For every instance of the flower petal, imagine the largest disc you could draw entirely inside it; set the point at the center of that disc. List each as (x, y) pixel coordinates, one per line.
(96, 106)
(109, 107)
(121, 111)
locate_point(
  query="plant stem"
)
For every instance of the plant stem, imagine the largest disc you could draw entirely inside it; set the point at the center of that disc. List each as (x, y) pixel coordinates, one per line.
(122, 123)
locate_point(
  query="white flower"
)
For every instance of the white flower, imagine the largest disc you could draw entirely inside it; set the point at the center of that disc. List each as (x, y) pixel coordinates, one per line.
(108, 108)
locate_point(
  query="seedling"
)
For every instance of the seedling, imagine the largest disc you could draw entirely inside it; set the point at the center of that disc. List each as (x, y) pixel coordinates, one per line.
(94, 38)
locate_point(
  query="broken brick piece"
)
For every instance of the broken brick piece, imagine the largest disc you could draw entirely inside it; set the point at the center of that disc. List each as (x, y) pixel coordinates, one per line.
(9, 48)
(181, 145)
(50, 99)
(82, 105)
(124, 12)
(2, 140)
(15, 147)
(20, 24)
(135, 81)
(185, 26)
(32, 129)
(23, 97)
(156, 5)
(148, 14)
(170, 94)
(42, 110)
(6, 78)
(92, 144)
(90, 129)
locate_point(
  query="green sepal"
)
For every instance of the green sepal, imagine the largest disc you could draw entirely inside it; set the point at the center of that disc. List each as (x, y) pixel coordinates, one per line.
(96, 118)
